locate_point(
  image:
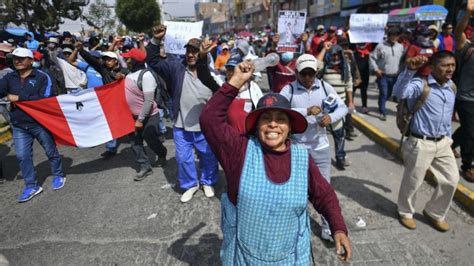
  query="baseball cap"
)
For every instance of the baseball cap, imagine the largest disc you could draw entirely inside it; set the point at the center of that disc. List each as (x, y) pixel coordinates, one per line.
(320, 27)
(135, 54)
(95, 54)
(194, 42)
(67, 50)
(306, 61)
(233, 61)
(53, 40)
(110, 55)
(22, 52)
(225, 46)
(422, 30)
(433, 27)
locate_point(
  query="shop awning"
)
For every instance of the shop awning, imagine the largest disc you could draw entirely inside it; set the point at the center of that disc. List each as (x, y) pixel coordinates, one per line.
(419, 13)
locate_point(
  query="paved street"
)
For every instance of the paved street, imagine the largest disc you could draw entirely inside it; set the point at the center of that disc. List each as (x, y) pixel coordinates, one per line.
(103, 217)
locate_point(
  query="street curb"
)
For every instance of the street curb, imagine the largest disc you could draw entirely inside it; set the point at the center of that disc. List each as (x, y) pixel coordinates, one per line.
(5, 134)
(463, 194)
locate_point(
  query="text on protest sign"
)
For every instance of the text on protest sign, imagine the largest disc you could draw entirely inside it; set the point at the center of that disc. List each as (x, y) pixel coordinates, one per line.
(179, 33)
(367, 27)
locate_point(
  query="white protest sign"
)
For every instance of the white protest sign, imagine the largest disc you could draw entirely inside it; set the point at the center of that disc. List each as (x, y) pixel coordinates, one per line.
(367, 27)
(179, 33)
(290, 26)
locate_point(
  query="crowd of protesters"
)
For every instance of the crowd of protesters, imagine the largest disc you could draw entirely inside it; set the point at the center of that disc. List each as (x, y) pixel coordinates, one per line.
(212, 97)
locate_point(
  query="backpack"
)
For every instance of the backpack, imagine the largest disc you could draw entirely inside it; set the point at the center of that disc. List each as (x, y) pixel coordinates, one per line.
(161, 92)
(404, 115)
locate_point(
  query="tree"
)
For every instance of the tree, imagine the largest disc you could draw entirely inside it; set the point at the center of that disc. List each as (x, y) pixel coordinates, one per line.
(41, 15)
(99, 16)
(138, 15)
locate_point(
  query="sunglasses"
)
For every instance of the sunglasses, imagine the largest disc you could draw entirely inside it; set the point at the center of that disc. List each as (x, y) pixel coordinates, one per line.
(306, 73)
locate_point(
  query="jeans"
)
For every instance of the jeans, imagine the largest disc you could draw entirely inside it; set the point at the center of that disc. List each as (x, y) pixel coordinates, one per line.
(466, 118)
(111, 145)
(322, 159)
(23, 138)
(385, 84)
(339, 142)
(149, 132)
(185, 142)
(161, 122)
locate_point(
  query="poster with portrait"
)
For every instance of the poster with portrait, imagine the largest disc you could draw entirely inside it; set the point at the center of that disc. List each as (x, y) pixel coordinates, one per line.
(291, 25)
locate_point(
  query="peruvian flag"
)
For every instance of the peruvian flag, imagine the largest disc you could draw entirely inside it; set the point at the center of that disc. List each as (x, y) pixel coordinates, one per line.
(84, 119)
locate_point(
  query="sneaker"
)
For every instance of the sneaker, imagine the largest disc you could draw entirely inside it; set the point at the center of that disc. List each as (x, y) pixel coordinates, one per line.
(108, 154)
(409, 223)
(441, 226)
(468, 175)
(161, 162)
(143, 174)
(58, 182)
(188, 195)
(352, 134)
(365, 110)
(29, 193)
(326, 234)
(208, 191)
(383, 117)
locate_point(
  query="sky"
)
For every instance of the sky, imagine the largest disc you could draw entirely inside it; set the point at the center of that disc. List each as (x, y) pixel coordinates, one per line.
(175, 8)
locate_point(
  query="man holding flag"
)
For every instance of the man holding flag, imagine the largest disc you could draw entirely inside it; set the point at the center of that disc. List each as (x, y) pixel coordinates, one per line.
(26, 84)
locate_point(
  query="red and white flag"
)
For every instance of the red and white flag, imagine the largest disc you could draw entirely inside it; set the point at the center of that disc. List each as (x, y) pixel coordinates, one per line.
(84, 119)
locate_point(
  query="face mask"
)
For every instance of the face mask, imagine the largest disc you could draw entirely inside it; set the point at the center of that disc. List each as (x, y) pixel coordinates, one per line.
(287, 57)
(36, 64)
(335, 62)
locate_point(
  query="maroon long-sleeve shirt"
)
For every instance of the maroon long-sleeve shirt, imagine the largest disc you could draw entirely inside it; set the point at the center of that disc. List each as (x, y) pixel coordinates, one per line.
(230, 147)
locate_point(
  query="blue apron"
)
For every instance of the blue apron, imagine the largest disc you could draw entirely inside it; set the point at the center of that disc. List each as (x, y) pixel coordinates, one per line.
(269, 225)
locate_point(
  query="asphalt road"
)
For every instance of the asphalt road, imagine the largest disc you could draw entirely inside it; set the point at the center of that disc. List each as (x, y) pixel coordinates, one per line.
(103, 217)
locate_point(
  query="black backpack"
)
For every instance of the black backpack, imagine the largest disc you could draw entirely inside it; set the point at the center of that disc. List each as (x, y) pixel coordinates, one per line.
(161, 92)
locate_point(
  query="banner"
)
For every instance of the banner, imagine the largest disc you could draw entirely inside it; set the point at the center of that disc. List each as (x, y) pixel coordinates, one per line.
(290, 27)
(179, 33)
(367, 27)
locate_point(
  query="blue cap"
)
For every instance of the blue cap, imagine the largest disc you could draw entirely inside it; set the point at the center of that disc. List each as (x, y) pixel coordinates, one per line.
(95, 54)
(233, 61)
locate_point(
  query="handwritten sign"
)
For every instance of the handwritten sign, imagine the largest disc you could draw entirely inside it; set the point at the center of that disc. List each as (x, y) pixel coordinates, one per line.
(290, 26)
(367, 27)
(179, 33)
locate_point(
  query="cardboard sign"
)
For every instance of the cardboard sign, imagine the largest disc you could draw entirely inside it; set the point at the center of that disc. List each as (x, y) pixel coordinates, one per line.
(179, 33)
(367, 27)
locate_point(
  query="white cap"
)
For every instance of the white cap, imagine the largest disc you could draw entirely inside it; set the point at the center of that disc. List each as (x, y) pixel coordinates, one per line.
(53, 40)
(110, 54)
(306, 61)
(22, 52)
(67, 50)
